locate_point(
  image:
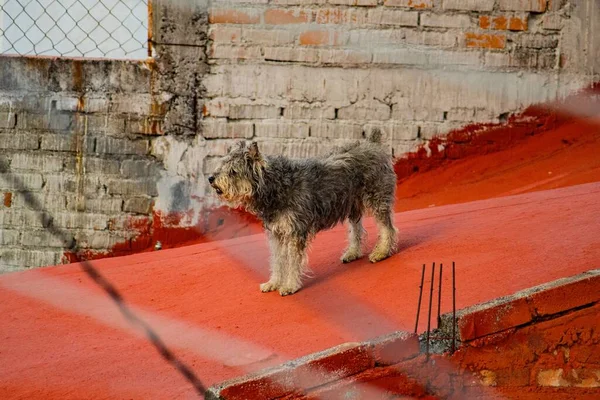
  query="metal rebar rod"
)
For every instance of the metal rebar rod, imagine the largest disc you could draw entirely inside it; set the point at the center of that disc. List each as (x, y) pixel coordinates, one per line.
(429, 313)
(453, 308)
(439, 318)
(420, 297)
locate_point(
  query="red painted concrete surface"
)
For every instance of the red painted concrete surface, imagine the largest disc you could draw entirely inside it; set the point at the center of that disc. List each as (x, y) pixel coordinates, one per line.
(72, 342)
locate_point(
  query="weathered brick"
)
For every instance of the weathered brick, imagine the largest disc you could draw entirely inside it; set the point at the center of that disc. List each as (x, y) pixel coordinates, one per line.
(404, 110)
(233, 16)
(522, 5)
(229, 2)
(308, 111)
(25, 218)
(275, 16)
(80, 221)
(401, 56)
(552, 22)
(49, 121)
(546, 60)
(131, 187)
(139, 103)
(39, 200)
(445, 21)
(97, 240)
(501, 22)
(400, 148)
(19, 142)
(359, 3)
(291, 54)
(319, 38)
(336, 130)
(430, 38)
(409, 3)
(136, 223)
(268, 36)
(374, 37)
(139, 168)
(72, 183)
(429, 130)
(248, 111)
(98, 104)
(64, 103)
(365, 110)
(537, 41)
(280, 129)
(103, 166)
(106, 123)
(219, 147)
(21, 181)
(344, 56)
(37, 161)
(341, 16)
(59, 142)
(222, 128)
(555, 5)
(45, 239)
(401, 132)
(29, 258)
(121, 146)
(144, 125)
(138, 205)
(9, 237)
(486, 41)
(468, 5)
(234, 52)
(393, 17)
(225, 34)
(102, 205)
(8, 120)
(298, 2)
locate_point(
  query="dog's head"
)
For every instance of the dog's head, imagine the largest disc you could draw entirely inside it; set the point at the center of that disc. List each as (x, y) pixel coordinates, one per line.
(241, 172)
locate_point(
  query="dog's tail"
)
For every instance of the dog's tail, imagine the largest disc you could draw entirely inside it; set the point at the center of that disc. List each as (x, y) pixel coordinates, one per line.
(375, 136)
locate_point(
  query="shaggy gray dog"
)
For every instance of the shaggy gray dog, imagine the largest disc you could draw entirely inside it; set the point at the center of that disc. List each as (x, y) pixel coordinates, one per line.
(295, 199)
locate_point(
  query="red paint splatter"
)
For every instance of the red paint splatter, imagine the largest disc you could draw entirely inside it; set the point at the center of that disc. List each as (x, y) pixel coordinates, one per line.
(485, 138)
(217, 224)
(7, 199)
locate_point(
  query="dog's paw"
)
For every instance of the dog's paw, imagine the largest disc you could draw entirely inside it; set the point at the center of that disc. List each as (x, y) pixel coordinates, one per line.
(378, 255)
(288, 290)
(350, 256)
(268, 287)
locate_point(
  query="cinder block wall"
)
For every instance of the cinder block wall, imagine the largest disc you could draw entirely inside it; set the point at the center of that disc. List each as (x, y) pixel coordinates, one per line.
(301, 75)
(116, 153)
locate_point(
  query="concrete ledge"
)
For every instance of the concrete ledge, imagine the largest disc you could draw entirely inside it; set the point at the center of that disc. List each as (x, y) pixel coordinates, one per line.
(523, 307)
(297, 376)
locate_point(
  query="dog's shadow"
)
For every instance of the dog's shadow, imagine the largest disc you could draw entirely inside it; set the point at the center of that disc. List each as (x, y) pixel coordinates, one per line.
(409, 238)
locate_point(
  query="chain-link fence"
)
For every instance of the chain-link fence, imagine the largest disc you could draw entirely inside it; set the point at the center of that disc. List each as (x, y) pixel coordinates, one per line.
(75, 28)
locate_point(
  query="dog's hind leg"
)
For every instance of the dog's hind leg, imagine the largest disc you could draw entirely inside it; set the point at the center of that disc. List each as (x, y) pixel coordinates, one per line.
(386, 243)
(278, 260)
(355, 234)
(295, 266)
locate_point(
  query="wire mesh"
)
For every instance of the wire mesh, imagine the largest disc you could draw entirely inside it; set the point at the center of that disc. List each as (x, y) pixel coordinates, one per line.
(75, 28)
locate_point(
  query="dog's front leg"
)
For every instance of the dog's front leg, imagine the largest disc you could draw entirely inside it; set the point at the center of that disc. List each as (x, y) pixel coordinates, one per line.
(294, 266)
(277, 261)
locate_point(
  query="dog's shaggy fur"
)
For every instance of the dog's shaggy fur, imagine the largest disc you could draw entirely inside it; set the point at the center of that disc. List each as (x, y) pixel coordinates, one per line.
(295, 199)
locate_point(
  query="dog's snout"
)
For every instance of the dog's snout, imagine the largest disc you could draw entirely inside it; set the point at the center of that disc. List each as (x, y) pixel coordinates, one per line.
(211, 179)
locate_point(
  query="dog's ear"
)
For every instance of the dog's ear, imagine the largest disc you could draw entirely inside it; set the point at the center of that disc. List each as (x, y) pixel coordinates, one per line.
(253, 152)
